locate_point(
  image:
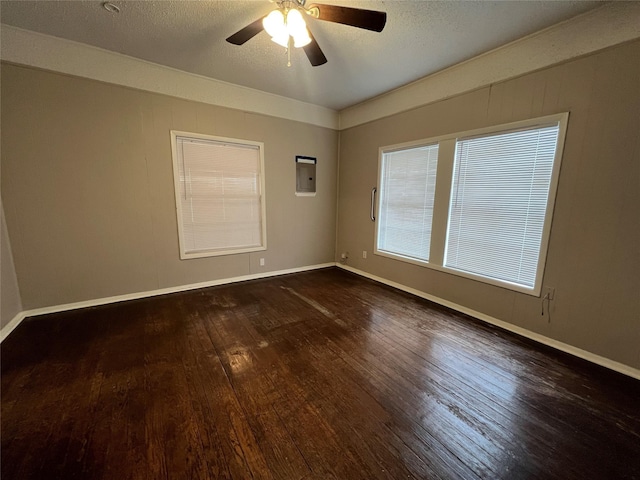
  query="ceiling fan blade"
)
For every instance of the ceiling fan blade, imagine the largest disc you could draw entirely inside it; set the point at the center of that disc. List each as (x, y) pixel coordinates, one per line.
(247, 33)
(314, 52)
(355, 17)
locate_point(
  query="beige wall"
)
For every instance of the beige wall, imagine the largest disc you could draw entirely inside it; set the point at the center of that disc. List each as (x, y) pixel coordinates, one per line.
(88, 194)
(9, 292)
(594, 255)
(87, 186)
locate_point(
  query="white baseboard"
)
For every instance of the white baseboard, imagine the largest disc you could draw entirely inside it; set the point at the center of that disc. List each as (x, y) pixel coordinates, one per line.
(564, 347)
(7, 329)
(10, 327)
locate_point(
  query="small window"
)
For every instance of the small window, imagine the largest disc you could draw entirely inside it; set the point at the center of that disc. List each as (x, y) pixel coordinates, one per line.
(219, 187)
(407, 187)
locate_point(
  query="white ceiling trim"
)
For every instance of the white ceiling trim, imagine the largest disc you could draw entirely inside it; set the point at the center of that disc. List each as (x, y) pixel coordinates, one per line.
(33, 49)
(609, 25)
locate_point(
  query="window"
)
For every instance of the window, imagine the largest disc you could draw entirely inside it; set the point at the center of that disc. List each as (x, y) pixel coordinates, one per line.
(498, 203)
(407, 190)
(486, 202)
(219, 187)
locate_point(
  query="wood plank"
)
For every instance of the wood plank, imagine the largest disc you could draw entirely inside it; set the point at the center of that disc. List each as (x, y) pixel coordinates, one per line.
(317, 375)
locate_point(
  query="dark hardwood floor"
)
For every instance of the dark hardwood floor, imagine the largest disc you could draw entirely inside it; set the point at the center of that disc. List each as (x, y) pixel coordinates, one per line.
(316, 375)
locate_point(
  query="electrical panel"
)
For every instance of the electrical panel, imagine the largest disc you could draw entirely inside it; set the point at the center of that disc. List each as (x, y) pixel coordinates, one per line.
(305, 175)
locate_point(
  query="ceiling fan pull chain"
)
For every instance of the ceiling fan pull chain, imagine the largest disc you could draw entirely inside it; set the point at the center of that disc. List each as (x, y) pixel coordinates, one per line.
(289, 53)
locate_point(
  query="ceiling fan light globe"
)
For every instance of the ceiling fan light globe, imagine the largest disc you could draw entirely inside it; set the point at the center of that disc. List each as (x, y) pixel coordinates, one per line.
(295, 22)
(281, 39)
(274, 24)
(301, 40)
(297, 28)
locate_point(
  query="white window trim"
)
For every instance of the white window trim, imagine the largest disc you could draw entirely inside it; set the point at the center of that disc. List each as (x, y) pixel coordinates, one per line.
(176, 186)
(446, 154)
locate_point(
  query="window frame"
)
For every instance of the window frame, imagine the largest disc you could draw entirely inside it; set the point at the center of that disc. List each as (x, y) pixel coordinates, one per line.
(184, 254)
(444, 186)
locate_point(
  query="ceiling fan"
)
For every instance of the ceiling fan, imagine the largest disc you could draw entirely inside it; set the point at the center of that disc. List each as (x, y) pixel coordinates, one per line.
(287, 27)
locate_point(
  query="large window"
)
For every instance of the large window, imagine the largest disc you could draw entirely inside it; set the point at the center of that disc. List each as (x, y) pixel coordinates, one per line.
(219, 187)
(499, 202)
(487, 201)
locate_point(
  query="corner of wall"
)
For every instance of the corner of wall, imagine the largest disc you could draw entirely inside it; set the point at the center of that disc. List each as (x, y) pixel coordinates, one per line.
(9, 290)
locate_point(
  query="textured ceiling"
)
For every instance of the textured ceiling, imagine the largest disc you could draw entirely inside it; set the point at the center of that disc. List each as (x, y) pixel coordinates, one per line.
(420, 38)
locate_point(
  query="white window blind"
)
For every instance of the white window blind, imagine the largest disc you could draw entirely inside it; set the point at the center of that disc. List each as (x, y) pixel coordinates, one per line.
(406, 201)
(499, 197)
(219, 196)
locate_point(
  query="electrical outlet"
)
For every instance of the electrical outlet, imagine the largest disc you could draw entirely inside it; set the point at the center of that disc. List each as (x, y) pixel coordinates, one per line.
(364, 254)
(549, 292)
(262, 262)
